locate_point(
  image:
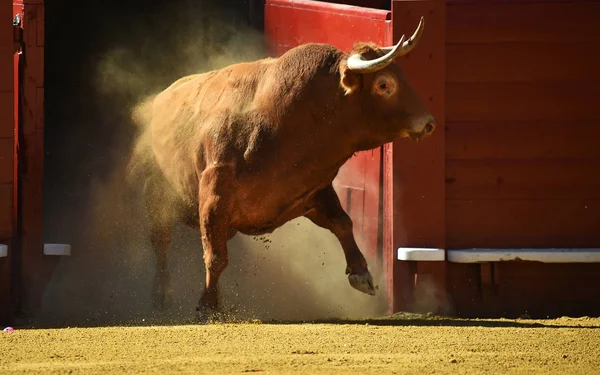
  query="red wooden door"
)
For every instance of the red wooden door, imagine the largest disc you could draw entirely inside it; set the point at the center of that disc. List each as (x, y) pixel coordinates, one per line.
(7, 159)
(31, 270)
(541, 188)
(291, 23)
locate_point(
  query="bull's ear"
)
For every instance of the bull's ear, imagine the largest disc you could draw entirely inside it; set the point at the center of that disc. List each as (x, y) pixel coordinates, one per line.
(349, 80)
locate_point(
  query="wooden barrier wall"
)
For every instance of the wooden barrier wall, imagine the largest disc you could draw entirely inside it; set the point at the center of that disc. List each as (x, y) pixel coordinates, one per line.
(414, 190)
(523, 84)
(522, 155)
(6, 122)
(21, 159)
(34, 268)
(6, 152)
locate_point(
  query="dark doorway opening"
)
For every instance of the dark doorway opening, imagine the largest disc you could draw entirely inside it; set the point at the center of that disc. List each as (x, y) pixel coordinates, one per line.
(100, 58)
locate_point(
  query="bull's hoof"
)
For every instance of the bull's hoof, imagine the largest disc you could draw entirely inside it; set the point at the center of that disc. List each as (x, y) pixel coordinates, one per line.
(162, 300)
(362, 282)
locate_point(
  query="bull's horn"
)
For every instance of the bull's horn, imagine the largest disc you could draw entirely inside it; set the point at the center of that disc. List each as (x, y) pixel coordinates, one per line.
(411, 42)
(358, 64)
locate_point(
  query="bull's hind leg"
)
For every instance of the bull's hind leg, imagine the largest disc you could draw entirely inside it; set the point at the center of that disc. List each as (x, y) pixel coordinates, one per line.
(161, 228)
(213, 204)
(328, 213)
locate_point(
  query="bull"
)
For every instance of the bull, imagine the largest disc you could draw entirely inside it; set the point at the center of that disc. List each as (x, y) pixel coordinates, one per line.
(251, 146)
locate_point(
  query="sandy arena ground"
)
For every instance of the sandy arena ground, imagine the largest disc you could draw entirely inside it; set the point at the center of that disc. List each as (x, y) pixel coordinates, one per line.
(402, 345)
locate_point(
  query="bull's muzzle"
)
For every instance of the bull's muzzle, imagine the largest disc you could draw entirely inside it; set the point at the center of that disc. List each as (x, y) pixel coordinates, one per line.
(425, 132)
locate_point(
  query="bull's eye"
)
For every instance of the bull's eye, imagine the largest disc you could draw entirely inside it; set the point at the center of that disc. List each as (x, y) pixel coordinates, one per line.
(385, 85)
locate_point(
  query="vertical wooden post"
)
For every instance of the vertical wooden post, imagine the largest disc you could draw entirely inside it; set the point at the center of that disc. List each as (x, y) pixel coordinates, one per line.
(414, 173)
(34, 268)
(6, 154)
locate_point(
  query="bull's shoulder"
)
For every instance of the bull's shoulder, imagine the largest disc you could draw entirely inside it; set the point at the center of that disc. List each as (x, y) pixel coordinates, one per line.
(297, 76)
(209, 100)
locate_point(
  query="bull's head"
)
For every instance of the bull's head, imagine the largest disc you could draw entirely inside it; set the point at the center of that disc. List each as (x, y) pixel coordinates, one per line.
(395, 107)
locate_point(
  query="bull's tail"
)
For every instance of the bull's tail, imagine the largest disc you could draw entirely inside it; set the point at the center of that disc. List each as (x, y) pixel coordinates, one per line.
(141, 161)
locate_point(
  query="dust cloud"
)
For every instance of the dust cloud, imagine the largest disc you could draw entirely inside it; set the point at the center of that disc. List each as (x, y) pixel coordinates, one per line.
(296, 273)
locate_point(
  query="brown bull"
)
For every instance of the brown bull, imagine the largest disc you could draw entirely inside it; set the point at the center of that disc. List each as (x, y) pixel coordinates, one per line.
(254, 145)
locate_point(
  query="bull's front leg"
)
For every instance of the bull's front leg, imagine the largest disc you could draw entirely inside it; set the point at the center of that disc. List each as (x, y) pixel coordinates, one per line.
(213, 210)
(327, 212)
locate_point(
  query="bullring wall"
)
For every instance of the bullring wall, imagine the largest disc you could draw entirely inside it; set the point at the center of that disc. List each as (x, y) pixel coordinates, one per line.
(514, 163)
(6, 152)
(522, 155)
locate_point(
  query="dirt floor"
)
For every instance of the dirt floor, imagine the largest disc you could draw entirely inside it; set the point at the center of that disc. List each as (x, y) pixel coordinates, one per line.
(401, 344)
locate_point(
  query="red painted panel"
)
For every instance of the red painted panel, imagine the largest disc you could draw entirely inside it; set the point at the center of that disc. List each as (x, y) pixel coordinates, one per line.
(378, 4)
(6, 154)
(291, 23)
(6, 111)
(36, 269)
(526, 223)
(535, 140)
(6, 231)
(530, 179)
(6, 61)
(417, 181)
(18, 62)
(523, 62)
(463, 288)
(397, 275)
(486, 22)
(6, 160)
(521, 139)
(540, 290)
(522, 101)
(471, 2)
(6, 190)
(553, 290)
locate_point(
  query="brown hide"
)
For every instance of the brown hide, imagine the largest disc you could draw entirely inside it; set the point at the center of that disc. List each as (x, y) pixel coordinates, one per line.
(254, 145)
(283, 126)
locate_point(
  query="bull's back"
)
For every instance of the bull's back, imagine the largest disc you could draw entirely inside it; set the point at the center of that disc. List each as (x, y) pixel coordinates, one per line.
(195, 118)
(258, 118)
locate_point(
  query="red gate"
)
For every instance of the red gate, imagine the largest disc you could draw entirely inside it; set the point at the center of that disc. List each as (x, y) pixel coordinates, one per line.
(379, 193)
(289, 24)
(7, 106)
(21, 180)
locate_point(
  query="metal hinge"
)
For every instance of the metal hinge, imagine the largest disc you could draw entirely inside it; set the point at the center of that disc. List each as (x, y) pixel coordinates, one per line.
(17, 34)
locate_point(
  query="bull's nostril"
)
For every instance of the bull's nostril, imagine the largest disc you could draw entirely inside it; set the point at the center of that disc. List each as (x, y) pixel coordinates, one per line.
(429, 127)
